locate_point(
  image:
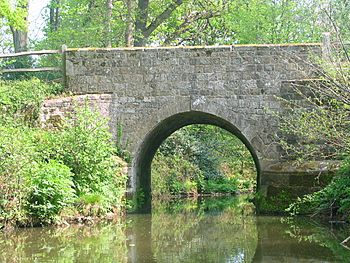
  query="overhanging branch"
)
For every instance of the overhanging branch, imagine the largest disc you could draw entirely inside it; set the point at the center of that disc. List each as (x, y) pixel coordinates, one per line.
(162, 17)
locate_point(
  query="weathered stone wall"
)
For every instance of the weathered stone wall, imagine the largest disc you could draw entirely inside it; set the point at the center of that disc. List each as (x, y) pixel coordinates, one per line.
(54, 110)
(154, 91)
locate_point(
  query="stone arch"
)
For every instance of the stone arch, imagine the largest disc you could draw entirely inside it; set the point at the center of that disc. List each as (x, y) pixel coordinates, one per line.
(141, 168)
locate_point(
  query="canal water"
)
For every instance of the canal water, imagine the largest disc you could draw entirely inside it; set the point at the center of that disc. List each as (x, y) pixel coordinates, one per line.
(186, 230)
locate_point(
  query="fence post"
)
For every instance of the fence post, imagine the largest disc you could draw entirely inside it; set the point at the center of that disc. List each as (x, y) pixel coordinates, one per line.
(64, 73)
(326, 46)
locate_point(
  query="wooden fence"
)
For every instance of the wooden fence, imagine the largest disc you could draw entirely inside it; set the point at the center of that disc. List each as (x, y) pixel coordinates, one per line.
(35, 53)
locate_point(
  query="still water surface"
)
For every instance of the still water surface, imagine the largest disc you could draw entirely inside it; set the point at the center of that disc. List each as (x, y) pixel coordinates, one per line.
(207, 230)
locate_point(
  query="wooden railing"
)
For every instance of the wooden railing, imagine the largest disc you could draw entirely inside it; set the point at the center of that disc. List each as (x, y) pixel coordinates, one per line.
(35, 53)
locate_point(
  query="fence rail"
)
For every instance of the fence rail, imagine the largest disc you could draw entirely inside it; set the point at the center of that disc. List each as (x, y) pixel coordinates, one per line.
(18, 70)
(30, 53)
(35, 53)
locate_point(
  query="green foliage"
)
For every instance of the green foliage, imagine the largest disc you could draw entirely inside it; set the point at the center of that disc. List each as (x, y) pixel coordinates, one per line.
(332, 201)
(337, 18)
(17, 162)
(222, 185)
(84, 144)
(20, 101)
(83, 24)
(51, 189)
(260, 21)
(175, 175)
(41, 171)
(276, 204)
(165, 22)
(91, 199)
(12, 12)
(202, 159)
(316, 124)
(318, 127)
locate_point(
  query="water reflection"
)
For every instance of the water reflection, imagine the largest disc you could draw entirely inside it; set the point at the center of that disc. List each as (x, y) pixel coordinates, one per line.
(102, 243)
(200, 231)
(207, 230)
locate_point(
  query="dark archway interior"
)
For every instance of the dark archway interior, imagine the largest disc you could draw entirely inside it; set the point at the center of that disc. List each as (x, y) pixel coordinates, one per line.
(164, 129)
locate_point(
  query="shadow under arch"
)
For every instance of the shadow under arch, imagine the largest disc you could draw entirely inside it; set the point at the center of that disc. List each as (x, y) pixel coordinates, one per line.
(152, 141)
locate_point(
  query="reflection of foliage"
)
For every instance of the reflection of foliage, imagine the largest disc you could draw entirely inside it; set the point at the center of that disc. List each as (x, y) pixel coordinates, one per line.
(275, 204)
(199, 232)
(316, 232)
(101, 243)
(195, 155)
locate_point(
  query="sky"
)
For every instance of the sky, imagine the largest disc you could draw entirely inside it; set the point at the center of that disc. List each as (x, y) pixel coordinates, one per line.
(36, 21)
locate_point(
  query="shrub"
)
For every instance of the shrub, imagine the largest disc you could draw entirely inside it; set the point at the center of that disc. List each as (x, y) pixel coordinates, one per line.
(41, 171)
(21, 100)
(17, 162)
(221, 185)
(84, 144)
(333, 200)
(175, 175)
(51, 189)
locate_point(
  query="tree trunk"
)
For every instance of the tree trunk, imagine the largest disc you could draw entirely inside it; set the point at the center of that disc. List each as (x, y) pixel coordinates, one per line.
(129, 32)
(20, 37)
(20, 40)
(54, 15)
(109, 4)
(141, 22)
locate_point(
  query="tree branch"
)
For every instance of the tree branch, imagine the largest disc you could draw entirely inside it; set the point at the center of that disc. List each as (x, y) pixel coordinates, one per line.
(194, 16)
(162, 17)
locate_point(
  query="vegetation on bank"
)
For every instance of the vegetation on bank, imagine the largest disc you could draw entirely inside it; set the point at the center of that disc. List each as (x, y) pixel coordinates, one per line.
(202, 159)
(47, 175)
(321, 130)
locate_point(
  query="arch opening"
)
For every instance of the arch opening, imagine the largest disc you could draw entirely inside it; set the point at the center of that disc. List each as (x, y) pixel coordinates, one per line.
(153, 140)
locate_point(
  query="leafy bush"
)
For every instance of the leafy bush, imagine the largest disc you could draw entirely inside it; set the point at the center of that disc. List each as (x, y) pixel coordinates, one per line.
(51, 189)
(175, 175)
(85, 145)
(20, 100)
(80, 158)
(333, 200)
(17, 162)
(222, 185)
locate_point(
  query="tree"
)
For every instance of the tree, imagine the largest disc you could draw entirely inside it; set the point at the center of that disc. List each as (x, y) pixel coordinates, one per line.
(54, 16)
(125, 23)
(16, 19)
(274, 21)
(320, 128)
(336, 17)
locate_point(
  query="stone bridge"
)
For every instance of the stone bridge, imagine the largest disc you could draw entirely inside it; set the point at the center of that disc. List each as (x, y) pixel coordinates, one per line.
(152, 92)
